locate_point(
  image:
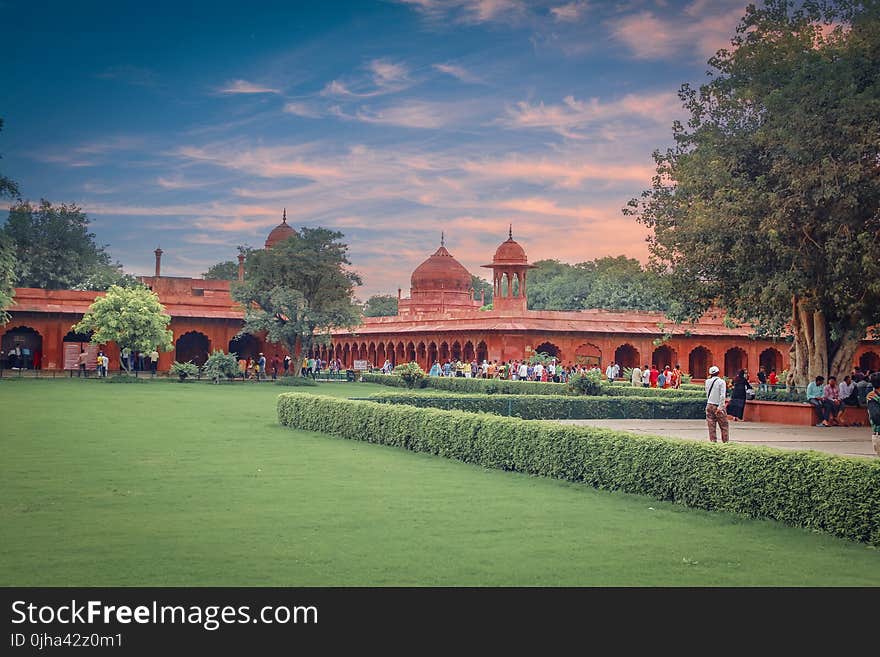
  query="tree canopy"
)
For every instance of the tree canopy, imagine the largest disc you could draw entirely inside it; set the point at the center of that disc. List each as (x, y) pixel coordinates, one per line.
(769, 202)
(7, 185)
(55, 249)
(381, 305)
(611, 283)
(131, 317)
(299, 289)
(481, 285)
(228, 269)
(7, 253)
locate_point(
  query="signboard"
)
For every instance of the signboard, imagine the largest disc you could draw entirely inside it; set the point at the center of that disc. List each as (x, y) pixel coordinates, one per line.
(361, 365)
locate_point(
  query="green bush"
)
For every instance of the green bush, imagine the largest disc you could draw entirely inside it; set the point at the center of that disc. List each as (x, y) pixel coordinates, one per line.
(294, 380)
(221, 366)
(413, 375)
(183, 371)
(836, 494)
(554, 407)
(506, 387)
(588, 383)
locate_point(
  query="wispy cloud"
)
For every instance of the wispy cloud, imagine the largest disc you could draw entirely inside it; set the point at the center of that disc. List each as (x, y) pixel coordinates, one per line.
(305, 110)
(700, 28)
(382, 76)
(458, 72)
(569, 13)
(572, 117)
(245, 87)
(469, 11)
(134, 75)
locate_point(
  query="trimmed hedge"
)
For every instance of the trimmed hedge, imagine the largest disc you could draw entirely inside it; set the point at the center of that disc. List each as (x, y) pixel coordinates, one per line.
(835, 494)
(506, 387)
(554, 407)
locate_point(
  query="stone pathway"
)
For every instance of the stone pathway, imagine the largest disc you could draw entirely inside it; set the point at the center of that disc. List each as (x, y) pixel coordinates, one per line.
(847, 441)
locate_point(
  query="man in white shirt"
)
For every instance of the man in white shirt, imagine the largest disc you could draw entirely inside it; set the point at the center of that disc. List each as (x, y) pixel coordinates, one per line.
(609, 372)
(716, 393)
(523, 371)
(636, 378)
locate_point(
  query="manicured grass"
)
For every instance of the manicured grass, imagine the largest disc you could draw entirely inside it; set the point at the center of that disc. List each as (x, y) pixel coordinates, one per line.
(193, 484)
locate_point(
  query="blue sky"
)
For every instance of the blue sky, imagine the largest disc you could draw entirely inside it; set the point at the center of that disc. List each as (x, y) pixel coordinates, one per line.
(190, 125)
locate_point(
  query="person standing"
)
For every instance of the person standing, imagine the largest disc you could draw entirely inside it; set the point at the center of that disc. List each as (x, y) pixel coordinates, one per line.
(737, 405)
(609, 372)
(154, 361)
(716, 392)
(636, 377)
(261, 372)
(286, 364)
(275, 364)
(762, 380)
(81, 362)
(105, 363)
(435, 369)
(653, 375)
(646, 377)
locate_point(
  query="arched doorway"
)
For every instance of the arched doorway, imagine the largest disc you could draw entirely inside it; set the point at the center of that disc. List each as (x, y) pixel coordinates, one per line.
(192, 346)
(469, 354)
(422, 356)
(735, 359)
(371, 355)
(410, 353)
(456, 351)
(444, 352)
(244, 346)
(432, 353)
(664, 355)
(550, 349)
(380, 354)
(346, 355)
(482, 352)
(400, 355)
(26, 345)
(869, 361)
(698, 362)
(770, 359)
(588, 355)
(626, 356)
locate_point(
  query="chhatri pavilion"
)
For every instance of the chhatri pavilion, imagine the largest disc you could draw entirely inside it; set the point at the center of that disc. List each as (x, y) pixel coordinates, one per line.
(441, 319)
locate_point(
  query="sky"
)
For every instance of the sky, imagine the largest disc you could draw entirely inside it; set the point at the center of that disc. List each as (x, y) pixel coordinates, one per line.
(192, 125)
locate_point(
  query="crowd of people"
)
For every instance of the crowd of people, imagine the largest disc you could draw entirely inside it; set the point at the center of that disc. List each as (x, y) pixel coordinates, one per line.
(263, 369)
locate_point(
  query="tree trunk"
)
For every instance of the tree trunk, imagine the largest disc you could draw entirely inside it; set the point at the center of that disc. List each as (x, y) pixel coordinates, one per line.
(814, 353)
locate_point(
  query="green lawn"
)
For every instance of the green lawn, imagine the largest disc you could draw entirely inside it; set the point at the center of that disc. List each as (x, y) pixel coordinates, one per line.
(194, 484)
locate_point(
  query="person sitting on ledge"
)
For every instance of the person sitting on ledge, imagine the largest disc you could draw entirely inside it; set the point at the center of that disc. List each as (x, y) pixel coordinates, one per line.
(816, 398)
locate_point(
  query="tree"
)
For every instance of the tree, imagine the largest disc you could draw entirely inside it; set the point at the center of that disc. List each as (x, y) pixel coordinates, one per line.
(622, 284)
(481, 285)
(228, 269)
(299, 289)
(7, 254)
(7, 277)
(131, 317)
(381, 305)
(768, 205)
(56, 250)
(7, 186)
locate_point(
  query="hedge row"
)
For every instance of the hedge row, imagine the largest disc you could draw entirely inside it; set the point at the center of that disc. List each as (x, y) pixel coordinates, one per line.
(554, 407)
(506, 387)
(836, 494)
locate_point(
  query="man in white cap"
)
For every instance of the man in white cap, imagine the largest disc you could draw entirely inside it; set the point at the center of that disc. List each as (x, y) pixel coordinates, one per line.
(716, 393)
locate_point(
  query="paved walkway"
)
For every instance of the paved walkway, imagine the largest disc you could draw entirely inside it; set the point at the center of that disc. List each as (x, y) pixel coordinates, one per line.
(848, 441)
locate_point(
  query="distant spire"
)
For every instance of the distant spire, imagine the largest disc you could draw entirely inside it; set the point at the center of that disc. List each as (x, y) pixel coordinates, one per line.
(442, 238)
(510, 232)
(284, 216)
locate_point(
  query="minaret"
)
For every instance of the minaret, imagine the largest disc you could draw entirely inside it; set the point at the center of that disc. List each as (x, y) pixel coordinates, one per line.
(158, 253)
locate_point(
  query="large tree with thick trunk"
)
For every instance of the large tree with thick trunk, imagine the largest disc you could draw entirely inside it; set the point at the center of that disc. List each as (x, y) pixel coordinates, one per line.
(768, 205)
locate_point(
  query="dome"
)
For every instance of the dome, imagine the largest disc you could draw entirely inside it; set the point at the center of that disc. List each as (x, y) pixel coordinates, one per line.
(280, 233)
(510, 252)
(441, 271)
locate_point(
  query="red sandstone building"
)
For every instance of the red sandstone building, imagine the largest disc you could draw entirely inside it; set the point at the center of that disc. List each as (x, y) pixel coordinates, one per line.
(438, 321)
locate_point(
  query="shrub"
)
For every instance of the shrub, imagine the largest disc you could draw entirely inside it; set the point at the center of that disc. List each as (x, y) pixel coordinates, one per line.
(506, 387)
(835, 494)
(412, 375)
(294, 380)
(221, 366)
(547, 407)
(588, 383)
(187, 370)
